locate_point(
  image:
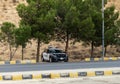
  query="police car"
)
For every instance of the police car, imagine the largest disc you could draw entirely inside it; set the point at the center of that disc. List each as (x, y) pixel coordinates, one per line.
(53, 54)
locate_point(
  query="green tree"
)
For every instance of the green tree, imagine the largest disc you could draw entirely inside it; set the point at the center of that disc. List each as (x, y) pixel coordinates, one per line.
(7, 35)
(117, 39)
(111, 28)
(22, 36)
(67, 18)
(73, 21)
(90, 28)
(40, 15)
(85, 29)
(95, 13)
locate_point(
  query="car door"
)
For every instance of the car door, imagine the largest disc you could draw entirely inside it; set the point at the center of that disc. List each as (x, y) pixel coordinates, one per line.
(45, 56)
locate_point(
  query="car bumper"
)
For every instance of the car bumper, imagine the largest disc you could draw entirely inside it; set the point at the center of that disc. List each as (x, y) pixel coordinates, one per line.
(60, 59)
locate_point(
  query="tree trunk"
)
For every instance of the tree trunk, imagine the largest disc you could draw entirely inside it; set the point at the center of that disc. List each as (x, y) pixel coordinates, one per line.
(13, 53)
(92, 49)
(22, 53)
(67, 43)
(38, 50)
(10, 52)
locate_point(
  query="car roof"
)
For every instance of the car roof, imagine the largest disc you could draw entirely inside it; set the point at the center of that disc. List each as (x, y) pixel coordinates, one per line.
(53, 48)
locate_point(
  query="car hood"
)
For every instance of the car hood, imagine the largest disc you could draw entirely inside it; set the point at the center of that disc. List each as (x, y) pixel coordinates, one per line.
(60, 54)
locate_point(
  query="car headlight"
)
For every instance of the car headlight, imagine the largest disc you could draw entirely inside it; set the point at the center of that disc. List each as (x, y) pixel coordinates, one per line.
(54, 56)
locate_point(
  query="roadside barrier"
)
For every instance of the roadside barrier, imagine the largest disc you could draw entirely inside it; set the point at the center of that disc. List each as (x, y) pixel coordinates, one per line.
(18, 62)
(85, 60)
(59, 75)
(102, 59)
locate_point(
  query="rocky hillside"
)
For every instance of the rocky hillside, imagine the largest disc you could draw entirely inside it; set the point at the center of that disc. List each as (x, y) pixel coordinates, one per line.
(8, 13)
(114, 2)
(8, 9)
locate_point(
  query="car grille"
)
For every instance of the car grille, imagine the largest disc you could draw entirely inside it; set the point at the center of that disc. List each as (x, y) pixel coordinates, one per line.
(60, 55)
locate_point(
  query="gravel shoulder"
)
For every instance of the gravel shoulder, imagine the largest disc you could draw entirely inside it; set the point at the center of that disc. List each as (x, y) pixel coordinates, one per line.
(84, 80)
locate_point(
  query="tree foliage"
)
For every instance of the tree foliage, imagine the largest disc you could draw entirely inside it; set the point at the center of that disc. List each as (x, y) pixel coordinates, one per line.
(111, 28)
(7, 35)
(64, 20)
(67, 16)
(40, 15)
(22, 36)
(74, 21)
(117, 39)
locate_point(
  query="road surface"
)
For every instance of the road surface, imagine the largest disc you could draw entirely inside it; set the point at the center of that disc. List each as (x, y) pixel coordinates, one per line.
(58, 66)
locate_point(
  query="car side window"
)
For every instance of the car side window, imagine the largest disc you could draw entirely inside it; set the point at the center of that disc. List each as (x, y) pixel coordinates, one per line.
(50, 51)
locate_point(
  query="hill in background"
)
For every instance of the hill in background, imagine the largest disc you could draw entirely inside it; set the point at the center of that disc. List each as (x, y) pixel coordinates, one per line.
(8, 13)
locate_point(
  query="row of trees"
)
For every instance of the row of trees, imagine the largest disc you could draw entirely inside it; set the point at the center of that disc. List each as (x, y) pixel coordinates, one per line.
(62, 20)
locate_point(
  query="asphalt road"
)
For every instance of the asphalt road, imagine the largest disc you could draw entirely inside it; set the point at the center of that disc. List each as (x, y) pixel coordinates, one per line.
(58, 66)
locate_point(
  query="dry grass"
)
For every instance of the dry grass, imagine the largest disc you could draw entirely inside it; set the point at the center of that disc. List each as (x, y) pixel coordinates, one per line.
(76, 52)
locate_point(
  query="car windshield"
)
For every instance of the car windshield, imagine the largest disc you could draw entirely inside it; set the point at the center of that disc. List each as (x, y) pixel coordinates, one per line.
(55, 51)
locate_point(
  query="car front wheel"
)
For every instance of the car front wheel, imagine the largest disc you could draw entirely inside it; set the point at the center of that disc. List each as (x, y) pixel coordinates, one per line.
(50, 59)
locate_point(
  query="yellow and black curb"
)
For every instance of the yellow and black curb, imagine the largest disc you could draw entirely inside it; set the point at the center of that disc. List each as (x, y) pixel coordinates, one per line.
(59, 75)
(18, 62)
(102, 59)
(85, 60)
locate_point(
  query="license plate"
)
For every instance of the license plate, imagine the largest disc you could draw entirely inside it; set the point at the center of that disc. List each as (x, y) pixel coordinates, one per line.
(61, 58)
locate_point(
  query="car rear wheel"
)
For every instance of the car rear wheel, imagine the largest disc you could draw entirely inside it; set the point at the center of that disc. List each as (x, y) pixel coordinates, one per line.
(66, 60)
